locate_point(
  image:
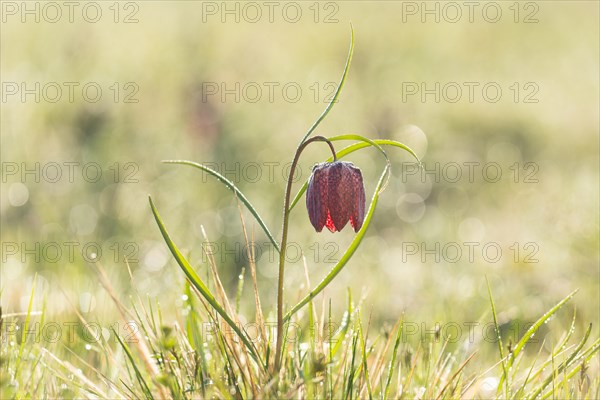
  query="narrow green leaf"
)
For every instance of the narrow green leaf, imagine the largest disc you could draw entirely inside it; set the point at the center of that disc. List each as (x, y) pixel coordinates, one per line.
(573, 358)
(330, 348)
(231, 186)
(192, 322)
(347, 320)
(352, 373)
(570, 332)
(338, 90)
(531, 331)
(347, 255)
(202, 288)
(365, 369)
(499, 338)
(138, 374)
(519, 393)
(587, 357)
(360, 139)
(392, 366)
(312, 330)
(387, 142)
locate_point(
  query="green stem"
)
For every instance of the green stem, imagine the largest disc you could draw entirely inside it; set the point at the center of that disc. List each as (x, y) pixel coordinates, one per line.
(283, 243)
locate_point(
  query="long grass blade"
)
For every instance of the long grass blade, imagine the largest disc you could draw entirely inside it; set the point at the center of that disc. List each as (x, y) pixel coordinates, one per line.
(231, 186)
(338, 90)
(499, 339)
(359, 138)
(531, 331)
(363, 345)
(338, 338)
(586, 357)
(564, 365)
(202, 288)
(392, 365)
(352, 373)
(453, 377)
(138, 374)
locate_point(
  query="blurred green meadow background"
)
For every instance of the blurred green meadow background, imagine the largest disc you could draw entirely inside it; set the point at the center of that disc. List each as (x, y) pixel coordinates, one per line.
(499, 99)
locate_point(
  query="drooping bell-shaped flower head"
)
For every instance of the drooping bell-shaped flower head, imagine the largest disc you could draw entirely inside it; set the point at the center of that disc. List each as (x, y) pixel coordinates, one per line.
(336, 195)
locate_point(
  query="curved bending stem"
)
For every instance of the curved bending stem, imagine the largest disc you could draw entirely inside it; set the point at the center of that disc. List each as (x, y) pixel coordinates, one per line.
(283, 243)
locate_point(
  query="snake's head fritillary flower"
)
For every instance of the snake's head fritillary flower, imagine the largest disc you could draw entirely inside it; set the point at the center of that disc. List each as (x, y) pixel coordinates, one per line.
(336, 195)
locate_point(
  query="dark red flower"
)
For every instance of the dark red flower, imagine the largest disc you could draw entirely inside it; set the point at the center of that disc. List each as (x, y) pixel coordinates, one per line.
(336, 195)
